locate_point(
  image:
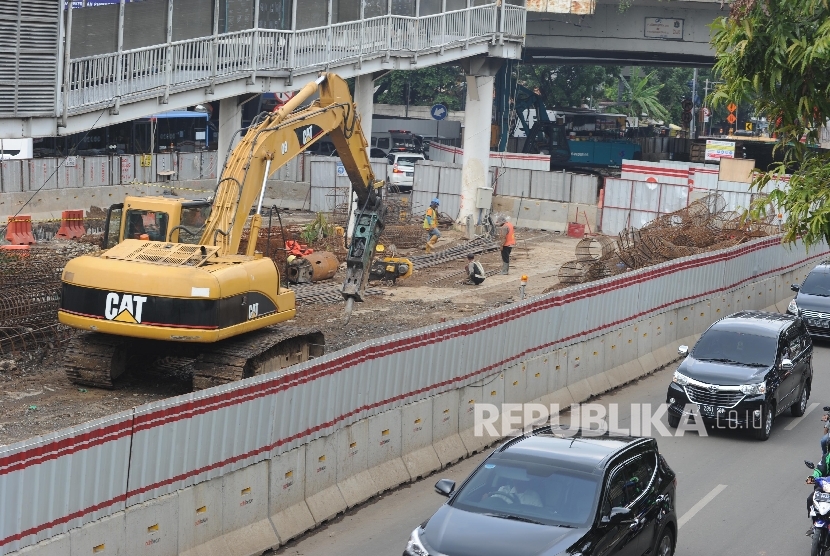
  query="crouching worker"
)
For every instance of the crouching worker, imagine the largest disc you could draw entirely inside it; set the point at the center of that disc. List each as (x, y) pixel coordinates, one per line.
(475, 272)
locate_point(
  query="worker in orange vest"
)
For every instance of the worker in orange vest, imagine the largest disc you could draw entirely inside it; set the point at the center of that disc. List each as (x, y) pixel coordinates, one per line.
(507, 244)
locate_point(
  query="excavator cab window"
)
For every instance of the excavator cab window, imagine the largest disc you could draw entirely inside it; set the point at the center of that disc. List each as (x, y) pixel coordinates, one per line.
(194, 216)
(149, 223)
(112, 228)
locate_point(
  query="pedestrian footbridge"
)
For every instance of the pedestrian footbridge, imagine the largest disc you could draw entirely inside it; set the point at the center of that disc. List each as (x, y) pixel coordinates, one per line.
(126, 60)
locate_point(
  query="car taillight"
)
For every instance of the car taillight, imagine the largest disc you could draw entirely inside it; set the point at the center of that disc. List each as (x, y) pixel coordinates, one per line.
(395, 169)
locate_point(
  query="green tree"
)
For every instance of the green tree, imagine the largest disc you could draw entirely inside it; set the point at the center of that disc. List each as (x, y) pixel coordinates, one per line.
(641, 96)
(568, 86)
(428, 86)
(775, 55)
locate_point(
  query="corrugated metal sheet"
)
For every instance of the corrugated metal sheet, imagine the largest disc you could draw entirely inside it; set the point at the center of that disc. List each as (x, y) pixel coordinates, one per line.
(188, 439)
(646, 196)
(190, 166)
(449, 180)
(584, 189)
(550, 186)
(71, 176)
(673, 197)
(323, 173)
(426, 178)
(614, 220)
(42, 174)
(192, 438)
(512, 182)
(59, 481)
(209, 165)
(127, 164)
(96, 171)
(11, 175)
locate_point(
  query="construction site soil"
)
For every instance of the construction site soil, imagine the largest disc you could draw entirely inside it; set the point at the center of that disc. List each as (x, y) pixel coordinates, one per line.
(36, 398)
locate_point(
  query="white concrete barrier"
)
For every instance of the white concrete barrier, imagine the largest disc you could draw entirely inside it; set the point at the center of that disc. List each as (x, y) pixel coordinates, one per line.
(385, 464)
(152, 527)
(353, 477)
(419, 455)
(289, 511)
(322, 494)
(268, 503)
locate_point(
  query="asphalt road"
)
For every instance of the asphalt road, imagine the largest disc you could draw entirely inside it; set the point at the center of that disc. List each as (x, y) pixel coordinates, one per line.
(735, 496)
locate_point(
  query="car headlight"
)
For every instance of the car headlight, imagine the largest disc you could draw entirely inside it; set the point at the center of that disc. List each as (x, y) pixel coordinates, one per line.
(680, 379)
(753, 389)
(414, 546)
(792, 307)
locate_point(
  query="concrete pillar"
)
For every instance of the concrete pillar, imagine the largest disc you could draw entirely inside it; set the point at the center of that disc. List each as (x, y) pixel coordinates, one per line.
(230, 120)
(478, 117)
(364, 92)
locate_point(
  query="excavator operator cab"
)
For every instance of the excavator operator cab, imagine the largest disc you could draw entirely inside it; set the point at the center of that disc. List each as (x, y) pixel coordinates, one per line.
(167, 219)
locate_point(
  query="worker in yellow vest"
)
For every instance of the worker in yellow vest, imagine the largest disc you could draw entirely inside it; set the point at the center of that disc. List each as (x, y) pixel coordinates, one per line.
(431, 225)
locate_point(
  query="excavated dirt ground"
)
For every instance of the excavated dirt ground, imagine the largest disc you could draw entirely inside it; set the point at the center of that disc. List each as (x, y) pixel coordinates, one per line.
(36, 398)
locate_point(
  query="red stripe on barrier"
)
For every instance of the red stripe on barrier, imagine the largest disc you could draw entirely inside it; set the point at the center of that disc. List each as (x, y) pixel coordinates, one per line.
(64, 447)
(212, 403)
(425, 389)
(59, 521)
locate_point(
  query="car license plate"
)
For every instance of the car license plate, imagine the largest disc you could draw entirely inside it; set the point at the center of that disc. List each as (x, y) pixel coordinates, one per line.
(820, 323)
(410, 174)
(822, 497)
(707, 410)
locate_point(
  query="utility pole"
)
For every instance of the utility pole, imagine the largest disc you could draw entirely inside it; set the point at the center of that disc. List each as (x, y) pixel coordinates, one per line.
(694, 110)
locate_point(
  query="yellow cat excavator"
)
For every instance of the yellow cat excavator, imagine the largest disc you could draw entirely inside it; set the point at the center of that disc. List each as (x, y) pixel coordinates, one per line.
(170, 291)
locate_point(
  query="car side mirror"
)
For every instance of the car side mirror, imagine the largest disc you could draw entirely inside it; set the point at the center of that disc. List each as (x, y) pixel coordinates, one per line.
(619, 516)
(683, 350)
(786, 365)
(445, 487)
(809, 464)
(795, 287)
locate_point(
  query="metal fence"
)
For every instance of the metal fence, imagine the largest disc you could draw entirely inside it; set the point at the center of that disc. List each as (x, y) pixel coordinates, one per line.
(94, 171)
(53, 483)
(443, 180)
(94, 82)
(632, 203)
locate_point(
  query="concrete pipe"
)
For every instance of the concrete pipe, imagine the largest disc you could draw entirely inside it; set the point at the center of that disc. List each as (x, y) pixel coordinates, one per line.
(318, 266)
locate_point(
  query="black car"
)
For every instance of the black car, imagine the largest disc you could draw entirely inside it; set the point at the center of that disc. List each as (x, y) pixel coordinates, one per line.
(549, 494)
(812, 302)
(745, 370)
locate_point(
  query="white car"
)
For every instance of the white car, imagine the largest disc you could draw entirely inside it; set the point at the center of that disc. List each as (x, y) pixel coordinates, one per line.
(400, 171)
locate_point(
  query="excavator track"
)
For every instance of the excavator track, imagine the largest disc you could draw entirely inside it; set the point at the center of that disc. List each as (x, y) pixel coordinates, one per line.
(256, 353)
(95, 359)
(99, 359)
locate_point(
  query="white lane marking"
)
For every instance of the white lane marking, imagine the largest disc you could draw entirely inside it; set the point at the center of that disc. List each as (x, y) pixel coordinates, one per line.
(700, 505)
(797, 420)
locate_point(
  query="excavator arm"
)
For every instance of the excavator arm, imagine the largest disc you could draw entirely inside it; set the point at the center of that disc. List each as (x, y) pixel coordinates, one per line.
(274, 141)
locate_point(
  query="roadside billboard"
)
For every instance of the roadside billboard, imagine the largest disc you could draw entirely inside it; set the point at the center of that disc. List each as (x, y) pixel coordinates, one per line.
(715, 150)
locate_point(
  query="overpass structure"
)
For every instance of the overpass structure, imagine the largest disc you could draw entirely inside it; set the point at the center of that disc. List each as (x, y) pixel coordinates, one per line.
(101, 62)
(79, 68)
(649, 32)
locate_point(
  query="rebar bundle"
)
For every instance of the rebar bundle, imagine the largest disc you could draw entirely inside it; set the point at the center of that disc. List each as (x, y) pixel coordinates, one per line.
(30, 286)
(705, 225)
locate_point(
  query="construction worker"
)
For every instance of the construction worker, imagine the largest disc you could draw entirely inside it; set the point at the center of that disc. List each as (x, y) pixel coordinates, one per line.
(431, 225)
(507, 244)
(475, 272)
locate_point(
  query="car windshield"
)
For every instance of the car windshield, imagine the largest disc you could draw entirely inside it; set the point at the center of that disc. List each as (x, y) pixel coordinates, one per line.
(727, 346)
(817, 283)
(407, 160)
(530, 491)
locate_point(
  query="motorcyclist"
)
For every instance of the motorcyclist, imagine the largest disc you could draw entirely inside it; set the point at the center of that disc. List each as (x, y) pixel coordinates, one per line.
(821, 470)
